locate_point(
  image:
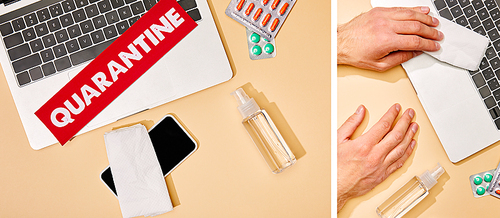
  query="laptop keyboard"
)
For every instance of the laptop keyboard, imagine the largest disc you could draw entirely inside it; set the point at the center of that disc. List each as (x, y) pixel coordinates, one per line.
(51, 36)
(483, 17)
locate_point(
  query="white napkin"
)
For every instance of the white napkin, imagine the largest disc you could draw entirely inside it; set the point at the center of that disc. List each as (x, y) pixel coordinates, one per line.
(460, 47)
(138, 178)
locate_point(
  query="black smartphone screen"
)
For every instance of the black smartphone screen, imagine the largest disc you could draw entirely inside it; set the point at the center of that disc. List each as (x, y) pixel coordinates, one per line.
(172, 145)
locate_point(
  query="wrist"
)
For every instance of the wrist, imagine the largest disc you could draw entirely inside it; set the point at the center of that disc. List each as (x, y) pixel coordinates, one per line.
(342, 54)
(342, 196)
(341, 200)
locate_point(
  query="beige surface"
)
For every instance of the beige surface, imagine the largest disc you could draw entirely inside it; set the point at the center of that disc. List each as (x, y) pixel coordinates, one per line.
(226, 176)
(452, 196)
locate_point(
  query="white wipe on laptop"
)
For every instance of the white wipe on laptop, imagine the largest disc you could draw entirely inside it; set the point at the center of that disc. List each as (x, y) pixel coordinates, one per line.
(139, 182)
(460, 47)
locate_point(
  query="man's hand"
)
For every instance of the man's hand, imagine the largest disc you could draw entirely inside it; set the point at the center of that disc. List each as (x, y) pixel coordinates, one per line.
(366, 161)
(386, 37)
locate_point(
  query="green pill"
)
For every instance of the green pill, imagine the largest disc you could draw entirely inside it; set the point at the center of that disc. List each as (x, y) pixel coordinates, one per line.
(255, 38)
(256, 50)
(480, 191)
(478, 180)
(488, 177)
(269, 48)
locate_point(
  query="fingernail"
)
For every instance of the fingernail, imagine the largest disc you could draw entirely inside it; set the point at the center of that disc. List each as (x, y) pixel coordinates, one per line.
(441, 35)
(411, 113)
(435, 21)
(425, 9)
(398, 107)
(359, 110)
(414, 128)
(412, 144)
(438, 46)
(417, 53)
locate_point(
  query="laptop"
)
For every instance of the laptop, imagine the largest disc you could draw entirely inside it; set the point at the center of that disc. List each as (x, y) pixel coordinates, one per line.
(46, 43)
(462, 105)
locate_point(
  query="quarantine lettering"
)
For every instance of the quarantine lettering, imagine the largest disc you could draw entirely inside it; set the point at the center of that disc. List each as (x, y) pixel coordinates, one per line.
(115, 69)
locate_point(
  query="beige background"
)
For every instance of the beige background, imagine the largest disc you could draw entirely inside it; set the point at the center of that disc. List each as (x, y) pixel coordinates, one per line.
(226, 176)
(452, 196)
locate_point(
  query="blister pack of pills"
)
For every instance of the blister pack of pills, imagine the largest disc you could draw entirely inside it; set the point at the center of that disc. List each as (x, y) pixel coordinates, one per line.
(264, 17)
(494, 188)
(480, 182)
(258, 47)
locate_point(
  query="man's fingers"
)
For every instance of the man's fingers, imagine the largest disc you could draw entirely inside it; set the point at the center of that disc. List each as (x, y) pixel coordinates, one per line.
(394, 153)
(417, 28)
(415, 14)
(400, 133)
(350, 125)
(414, 43)
(421, 9)
(399, 162)
(394, 59)
(382, 127)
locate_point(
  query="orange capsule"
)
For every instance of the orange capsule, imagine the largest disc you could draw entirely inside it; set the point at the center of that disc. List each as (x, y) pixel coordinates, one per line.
(264, 2)
(283, 8)
(497, 191)
(249, 9)
(274, 25)
(275, 4)
(266, 19)
(240, 5)
(257, 14)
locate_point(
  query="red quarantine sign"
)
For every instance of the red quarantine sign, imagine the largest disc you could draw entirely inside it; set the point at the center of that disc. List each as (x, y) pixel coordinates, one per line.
(115, 69)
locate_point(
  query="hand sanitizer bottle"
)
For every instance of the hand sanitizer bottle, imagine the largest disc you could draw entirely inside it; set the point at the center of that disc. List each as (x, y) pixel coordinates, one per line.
(264, 133)
(410, 194)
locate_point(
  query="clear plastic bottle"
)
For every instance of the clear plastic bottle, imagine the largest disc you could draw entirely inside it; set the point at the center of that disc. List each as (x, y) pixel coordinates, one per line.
(410, 194)
(264, 133)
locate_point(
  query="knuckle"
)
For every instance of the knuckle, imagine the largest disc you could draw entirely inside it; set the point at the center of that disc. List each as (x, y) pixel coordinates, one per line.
(406, 56)
(383, 39)
(416, 27)
(364, 151)
(390, 170)
(397, 136)
(415, 42)
(376, 11)
(373, 163)
(398, 164)
(382, 66)
(408, 14)
(400, 153)
(428, 20)
(435, 33)
(386, 125)
(381, 178)
(379, 23)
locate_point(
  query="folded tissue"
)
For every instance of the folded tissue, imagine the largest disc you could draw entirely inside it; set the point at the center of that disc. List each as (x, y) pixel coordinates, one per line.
(460, 47)
(139, 181)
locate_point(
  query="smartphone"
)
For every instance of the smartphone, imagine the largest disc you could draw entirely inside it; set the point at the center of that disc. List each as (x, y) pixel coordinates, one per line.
(172, 144)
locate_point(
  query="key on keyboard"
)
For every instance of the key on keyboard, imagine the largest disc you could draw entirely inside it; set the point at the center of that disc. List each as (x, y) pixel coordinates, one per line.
(483, 17)
(51, 36)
